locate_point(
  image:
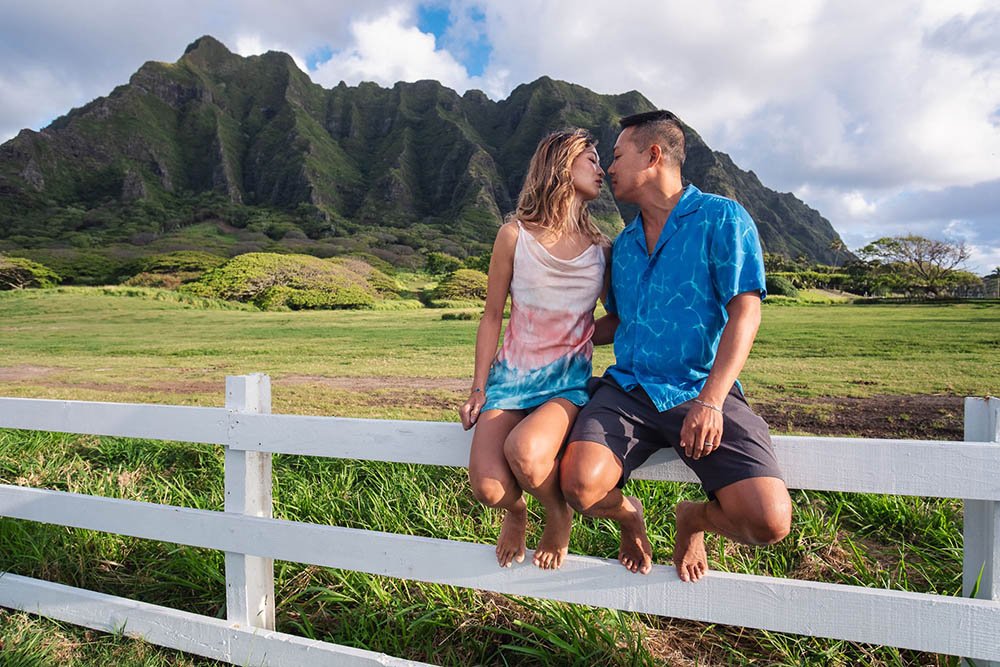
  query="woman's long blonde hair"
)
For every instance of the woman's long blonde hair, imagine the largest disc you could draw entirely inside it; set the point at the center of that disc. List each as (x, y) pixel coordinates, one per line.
(546, 199)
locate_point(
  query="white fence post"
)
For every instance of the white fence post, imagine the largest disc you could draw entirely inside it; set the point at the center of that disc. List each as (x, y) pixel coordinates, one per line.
(981, 531)
(249, 579)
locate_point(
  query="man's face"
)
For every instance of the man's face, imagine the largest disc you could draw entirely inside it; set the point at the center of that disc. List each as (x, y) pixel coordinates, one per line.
(628, 170)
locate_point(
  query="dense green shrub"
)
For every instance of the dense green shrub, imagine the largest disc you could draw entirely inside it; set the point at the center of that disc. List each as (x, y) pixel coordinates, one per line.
(440, 263)
(78, 267)
(182, 261)
(172, 269)
(832, 278)
(462, 285)
(778, 285)
(19, 273)
(272, 281)
(157, 280)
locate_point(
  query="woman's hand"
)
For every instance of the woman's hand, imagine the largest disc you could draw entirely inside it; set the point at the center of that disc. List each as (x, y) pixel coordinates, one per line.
(470, 411)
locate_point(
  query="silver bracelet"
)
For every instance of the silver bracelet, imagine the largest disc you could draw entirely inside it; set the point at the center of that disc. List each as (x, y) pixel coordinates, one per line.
(703, 404)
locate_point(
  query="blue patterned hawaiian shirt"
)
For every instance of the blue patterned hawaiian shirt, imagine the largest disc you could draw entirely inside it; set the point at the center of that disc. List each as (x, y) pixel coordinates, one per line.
(672, 303)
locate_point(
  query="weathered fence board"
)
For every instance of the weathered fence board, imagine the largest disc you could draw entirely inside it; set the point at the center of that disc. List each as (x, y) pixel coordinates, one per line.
(201, 635)
(904, 467)
(248, 486)
(127, 420)
(916, 621)
(901, 467)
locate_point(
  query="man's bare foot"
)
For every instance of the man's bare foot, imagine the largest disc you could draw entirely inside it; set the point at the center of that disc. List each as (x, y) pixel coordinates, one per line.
(510, 545)
(636, 553)
(555, 538)
(689, 550)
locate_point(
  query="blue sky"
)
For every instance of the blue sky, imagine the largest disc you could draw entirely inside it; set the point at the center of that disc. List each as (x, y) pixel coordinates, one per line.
(883, 116)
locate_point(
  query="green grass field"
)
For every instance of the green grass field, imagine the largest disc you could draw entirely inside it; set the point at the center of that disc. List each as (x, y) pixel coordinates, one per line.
(83, 344)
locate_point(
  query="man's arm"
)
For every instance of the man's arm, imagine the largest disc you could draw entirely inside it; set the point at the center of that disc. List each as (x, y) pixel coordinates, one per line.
(604, 329)
(704, 424)
(734, 347)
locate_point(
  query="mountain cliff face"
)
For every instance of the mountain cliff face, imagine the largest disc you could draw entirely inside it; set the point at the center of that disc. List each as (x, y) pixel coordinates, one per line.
(415, 164)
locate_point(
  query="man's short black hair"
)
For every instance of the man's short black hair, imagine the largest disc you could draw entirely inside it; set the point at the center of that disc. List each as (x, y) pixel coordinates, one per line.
(660, 127)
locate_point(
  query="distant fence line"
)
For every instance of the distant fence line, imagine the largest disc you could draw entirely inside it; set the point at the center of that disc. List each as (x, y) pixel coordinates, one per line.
(966, 626)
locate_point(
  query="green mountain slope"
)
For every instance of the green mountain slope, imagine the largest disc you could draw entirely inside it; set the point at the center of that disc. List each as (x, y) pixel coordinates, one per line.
(280, 162)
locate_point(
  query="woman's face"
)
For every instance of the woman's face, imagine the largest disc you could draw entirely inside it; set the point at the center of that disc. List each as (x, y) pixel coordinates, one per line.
(588, 177)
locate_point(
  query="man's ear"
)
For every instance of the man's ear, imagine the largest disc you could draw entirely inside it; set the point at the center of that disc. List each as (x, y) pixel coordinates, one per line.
(655, 154)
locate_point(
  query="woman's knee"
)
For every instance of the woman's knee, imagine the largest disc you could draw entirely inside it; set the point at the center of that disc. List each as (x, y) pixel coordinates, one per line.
(530, 458)
(490, 491)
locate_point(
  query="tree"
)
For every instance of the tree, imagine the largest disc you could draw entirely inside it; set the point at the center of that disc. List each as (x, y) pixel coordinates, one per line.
(838, 247)
(923, 264)
(20, 273)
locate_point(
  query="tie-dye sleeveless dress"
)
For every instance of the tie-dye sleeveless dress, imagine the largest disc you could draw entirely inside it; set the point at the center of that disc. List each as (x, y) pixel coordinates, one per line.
(547, 347)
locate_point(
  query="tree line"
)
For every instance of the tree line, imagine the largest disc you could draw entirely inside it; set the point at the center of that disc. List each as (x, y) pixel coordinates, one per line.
(906, 266)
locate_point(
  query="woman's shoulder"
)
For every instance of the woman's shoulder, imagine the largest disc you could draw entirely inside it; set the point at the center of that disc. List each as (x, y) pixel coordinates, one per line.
(506, 237)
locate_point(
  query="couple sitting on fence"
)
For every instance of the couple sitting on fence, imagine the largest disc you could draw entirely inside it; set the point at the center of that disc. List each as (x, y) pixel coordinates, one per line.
(682, 286)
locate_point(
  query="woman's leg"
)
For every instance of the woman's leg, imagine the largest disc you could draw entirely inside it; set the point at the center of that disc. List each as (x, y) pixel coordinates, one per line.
(494, 485)
(531, 450)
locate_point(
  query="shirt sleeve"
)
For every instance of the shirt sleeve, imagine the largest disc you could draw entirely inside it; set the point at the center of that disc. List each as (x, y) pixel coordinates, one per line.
(737, 261)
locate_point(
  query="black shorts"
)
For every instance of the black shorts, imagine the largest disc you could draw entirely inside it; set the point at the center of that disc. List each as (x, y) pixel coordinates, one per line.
(629, 424)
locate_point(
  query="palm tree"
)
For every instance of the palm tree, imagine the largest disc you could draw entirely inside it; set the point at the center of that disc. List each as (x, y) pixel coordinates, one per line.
(837, 246)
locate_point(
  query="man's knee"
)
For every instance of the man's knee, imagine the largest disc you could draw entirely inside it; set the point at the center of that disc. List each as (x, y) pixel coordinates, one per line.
(580, 491)
(588, 471)
(773, 523)
(529, 458)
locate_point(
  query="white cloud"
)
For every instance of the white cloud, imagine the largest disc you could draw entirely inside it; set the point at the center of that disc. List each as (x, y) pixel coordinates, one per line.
(255, 45)
(390, 48)
(857, 206)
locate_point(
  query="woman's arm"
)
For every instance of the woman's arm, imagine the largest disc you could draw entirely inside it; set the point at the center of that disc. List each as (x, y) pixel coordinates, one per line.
(488, 333)
(605, 327)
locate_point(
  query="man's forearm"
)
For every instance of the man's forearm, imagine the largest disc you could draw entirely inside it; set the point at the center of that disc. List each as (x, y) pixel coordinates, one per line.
(734, 347)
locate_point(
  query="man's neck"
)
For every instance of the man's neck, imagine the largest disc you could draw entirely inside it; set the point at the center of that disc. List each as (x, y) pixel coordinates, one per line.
(660, 204)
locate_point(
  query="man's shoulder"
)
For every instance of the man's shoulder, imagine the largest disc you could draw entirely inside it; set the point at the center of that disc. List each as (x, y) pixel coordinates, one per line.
(712, 203)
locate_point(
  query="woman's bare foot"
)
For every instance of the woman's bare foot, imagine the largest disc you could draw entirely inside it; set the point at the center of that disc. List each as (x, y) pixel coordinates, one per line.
(636, 553)
(555, 538)
(510, 545)
(689, 550)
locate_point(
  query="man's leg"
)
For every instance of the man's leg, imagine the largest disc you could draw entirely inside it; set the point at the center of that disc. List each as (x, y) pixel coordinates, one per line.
(757, 510)
(494, 485)
(531, 450)
(589, 475)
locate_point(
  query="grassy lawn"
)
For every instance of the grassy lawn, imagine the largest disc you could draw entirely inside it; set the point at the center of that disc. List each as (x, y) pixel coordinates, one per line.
(80, 344)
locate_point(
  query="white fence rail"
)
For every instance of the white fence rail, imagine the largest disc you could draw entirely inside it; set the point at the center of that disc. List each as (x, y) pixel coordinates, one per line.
(252, 539)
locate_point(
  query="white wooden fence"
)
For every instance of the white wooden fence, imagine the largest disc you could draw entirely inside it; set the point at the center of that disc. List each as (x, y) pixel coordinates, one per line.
(251, 538)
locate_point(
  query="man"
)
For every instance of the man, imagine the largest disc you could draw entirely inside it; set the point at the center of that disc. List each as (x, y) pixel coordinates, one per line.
(683, 308)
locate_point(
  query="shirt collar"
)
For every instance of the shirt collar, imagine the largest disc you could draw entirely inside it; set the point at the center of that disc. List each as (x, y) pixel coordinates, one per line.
(689, 202)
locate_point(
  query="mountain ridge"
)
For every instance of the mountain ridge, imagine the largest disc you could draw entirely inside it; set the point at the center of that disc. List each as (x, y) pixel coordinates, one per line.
(352, 168)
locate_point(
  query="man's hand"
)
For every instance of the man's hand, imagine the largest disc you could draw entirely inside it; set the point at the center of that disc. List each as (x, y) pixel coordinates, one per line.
(470, 411)
(701, 433)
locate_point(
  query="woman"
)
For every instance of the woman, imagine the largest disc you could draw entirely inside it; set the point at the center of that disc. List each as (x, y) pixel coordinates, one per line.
(550, 258)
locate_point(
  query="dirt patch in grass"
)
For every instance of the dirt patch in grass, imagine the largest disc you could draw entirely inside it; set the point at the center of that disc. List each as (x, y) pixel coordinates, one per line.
(378, 383)
(23, 372)
(921, 417)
